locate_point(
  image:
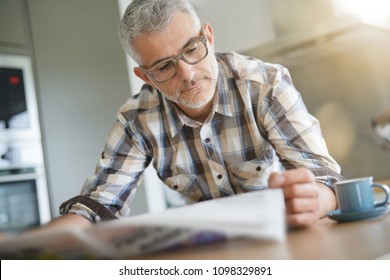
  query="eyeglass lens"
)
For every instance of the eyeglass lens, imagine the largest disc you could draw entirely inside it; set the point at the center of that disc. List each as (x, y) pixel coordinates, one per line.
(191, 55)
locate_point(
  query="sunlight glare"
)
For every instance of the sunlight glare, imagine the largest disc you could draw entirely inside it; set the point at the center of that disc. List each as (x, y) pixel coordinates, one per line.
(370, 11)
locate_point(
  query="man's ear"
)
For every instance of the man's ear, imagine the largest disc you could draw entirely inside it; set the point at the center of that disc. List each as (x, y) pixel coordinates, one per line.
(142, 75)
(209, 33)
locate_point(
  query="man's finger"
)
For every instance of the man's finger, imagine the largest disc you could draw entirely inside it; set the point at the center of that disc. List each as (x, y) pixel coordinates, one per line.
(276, 180)
(300, 190)
(299, 175)
(302, 219)
(301, 205)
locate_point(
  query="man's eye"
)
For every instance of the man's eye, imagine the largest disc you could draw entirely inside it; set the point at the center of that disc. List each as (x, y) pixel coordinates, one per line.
(166, 66)
(192, 49)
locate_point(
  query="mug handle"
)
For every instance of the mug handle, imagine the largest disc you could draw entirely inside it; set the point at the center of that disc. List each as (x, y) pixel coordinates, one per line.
(386, 190)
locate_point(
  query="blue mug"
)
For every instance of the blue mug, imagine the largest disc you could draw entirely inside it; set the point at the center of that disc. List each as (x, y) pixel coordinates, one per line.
(358, 194)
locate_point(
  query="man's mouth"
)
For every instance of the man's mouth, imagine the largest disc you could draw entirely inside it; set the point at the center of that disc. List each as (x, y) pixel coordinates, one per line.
(192, 87)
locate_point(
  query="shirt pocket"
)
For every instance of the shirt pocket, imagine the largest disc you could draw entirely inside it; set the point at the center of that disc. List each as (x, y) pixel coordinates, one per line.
(185, 184)
(253, 175)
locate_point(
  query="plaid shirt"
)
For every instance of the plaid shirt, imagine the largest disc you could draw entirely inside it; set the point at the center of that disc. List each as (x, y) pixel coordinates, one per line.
(258, 125)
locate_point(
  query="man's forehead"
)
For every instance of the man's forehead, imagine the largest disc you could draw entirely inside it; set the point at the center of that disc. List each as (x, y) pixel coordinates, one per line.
(159, 45)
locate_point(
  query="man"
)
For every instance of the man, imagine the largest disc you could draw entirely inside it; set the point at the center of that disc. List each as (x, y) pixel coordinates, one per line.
(212, 124)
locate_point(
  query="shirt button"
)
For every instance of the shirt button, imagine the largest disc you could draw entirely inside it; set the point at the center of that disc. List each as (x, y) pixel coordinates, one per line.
(258, 168)
(219, 176)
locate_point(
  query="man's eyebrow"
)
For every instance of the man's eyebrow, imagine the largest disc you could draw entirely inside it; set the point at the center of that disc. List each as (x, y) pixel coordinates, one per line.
(170, 57)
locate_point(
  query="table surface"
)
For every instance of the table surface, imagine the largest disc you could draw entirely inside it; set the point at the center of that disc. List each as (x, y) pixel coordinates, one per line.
(326, 239)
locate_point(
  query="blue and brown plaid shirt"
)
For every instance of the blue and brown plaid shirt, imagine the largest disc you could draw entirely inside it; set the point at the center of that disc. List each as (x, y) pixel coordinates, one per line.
(258, 125)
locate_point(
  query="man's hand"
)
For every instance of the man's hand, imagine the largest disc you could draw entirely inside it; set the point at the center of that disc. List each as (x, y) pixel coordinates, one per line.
(306, 200)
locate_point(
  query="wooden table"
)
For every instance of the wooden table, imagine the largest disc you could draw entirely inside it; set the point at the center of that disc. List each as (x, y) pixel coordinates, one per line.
(327, 239)
(384, 181)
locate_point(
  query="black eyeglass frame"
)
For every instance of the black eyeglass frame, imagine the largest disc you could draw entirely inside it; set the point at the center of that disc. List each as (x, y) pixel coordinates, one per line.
(175, 59)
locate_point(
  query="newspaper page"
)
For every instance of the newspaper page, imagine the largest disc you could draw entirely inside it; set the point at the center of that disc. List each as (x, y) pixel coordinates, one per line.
(258, 214)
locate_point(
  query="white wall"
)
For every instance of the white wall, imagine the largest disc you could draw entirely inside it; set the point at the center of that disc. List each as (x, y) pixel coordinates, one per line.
(238, 25)
(82, 80)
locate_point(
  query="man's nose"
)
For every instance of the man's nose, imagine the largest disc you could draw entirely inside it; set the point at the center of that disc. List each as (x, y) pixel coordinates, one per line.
(185, 71)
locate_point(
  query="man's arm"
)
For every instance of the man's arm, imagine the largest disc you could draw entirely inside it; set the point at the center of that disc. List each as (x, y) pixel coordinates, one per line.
(69, 220)
(306, 200)
(65, 221)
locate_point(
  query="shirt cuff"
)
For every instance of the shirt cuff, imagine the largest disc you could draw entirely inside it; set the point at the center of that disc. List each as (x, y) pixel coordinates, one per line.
(88, 208)
(327, 176)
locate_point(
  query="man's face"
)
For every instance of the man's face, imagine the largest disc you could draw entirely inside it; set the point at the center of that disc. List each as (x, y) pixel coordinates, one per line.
(194, 85)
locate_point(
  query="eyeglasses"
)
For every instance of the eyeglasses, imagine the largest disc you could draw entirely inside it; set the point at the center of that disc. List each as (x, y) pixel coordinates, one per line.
(165, 70)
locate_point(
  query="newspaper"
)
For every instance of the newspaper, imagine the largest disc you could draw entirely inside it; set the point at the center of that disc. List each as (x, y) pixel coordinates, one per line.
(258, 214)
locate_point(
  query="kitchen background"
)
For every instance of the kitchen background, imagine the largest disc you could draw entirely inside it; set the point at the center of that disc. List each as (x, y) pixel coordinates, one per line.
(338, 62)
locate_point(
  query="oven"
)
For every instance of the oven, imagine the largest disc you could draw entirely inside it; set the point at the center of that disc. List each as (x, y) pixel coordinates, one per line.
(21, 196)
(24, 199)
(23, 190)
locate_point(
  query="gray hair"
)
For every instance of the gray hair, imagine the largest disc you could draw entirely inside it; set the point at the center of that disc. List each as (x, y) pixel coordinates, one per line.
(143, 16)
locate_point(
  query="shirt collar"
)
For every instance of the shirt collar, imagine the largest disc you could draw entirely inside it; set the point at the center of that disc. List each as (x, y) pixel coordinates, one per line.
(225, 103)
